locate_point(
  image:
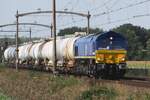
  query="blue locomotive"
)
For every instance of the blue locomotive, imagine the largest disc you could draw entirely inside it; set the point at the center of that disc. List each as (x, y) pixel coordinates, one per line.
(101, 54)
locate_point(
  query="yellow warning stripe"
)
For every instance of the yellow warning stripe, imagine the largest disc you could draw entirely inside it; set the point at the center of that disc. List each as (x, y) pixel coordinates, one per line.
(111, 52)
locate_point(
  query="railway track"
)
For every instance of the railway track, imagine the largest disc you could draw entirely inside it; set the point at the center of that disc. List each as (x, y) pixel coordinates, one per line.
(136, 83)
(128, 81)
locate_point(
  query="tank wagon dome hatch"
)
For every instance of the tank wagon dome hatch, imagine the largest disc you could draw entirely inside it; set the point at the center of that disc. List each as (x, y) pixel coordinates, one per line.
(108, 40)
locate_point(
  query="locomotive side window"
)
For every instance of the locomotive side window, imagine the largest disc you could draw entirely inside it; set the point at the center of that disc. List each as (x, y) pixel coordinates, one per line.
(76, 51)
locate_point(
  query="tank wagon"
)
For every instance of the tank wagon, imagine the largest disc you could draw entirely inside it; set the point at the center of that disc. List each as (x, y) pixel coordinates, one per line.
(99, 55)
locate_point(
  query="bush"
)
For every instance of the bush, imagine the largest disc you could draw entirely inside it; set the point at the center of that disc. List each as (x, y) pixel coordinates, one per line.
(2, 65)
(59, 82)
(98, 93)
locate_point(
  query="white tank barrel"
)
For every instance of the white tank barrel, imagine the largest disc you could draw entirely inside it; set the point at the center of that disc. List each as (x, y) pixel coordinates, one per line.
(10, 53)
(24, 51)
(69, 54)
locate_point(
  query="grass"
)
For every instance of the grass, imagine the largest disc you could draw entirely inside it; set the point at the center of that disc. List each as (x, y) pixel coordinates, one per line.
(60, 82)
(97, 93)
(138, 72)
(114, 91)
(4, 97)
(136, 96)
(138, 68)
(138, 64)
(33, 85)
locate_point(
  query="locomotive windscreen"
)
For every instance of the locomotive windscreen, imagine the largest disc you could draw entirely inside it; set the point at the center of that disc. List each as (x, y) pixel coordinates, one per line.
(111, 42)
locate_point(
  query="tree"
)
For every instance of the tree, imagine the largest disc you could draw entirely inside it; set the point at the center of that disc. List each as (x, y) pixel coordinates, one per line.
(137, 38)
(72, 30)
(147, 50)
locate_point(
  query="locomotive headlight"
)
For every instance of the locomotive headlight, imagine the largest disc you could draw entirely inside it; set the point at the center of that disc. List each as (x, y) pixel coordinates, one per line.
(121, 57)
(100, 57)
(111, 38)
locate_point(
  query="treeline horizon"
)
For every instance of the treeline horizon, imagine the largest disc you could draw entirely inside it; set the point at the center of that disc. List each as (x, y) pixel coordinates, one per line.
(138, 39)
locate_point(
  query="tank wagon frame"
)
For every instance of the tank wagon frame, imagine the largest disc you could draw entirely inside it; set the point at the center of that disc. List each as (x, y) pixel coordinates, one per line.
(99, 55)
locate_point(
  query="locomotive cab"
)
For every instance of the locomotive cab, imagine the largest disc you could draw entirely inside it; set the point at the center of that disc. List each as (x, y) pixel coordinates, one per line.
(110, 55)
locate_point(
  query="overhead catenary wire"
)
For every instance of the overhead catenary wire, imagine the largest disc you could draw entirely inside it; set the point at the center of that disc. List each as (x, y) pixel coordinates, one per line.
(64, 25)
(73, 6)
(108, 9)
(68, 3)
(72, 9)
(125, 19)
(70, 23)
(112, 3)
(98, 7)
(115, 3)
(121, 8)
(65, 8)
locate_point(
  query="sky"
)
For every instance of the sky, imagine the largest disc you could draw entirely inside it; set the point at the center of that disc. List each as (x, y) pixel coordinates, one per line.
(106, 22)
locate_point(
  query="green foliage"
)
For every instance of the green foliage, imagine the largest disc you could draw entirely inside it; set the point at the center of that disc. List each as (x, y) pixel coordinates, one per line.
(4, 97)
(34, 73)
(99, 93)
(137, 40)
(72, 30)
(138, 96)
(137, 72)
(59, 82)
(130, 97)
(2, 65)
(146, 96)
(11, 41)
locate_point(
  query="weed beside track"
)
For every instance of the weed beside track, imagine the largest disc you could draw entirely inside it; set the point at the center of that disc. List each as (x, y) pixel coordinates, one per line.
(35, 85)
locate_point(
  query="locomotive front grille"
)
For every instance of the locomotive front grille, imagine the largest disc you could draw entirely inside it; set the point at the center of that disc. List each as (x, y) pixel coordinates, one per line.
(111, 56)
